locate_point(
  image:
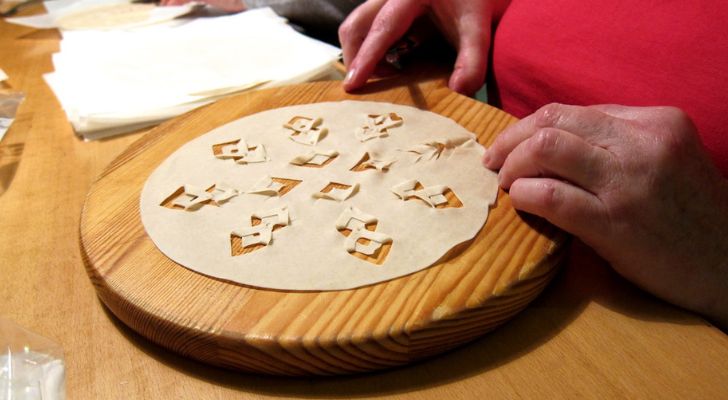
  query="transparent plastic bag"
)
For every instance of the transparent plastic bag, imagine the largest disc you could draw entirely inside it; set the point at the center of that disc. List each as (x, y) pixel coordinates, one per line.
(31, 366)
(9, 103)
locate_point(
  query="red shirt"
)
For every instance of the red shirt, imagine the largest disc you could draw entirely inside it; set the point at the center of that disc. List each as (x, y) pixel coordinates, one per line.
(636, 53)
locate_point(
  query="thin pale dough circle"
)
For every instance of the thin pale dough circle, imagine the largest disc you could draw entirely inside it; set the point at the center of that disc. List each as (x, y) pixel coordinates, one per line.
(446, 202)
(106, 16)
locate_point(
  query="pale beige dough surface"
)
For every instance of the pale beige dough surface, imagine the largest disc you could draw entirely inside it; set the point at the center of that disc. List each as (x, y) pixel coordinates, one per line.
(308, 252)
(112, 16)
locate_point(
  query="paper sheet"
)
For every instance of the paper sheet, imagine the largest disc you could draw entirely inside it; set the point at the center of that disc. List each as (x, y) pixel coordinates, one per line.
(115, 79)
(100, 14)
(310, 253)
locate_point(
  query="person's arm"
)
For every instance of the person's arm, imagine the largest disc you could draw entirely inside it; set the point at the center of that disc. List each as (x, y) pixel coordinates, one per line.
(376, 25)
(633, 183)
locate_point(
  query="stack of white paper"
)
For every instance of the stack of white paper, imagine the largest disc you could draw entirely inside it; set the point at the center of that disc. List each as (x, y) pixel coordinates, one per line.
(100, 14)
(114, 81)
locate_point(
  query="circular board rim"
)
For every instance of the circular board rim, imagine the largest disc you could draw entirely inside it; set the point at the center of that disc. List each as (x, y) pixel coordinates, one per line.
(279, 332)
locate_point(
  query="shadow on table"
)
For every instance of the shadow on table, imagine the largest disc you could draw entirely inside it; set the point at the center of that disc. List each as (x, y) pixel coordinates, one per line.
(584, 280)
(9, 160)
(596, 281)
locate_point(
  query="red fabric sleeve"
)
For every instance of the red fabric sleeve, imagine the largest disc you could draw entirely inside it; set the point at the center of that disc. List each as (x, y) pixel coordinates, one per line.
(636, 53)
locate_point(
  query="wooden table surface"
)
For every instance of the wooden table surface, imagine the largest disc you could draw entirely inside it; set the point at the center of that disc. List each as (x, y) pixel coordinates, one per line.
(591, 334)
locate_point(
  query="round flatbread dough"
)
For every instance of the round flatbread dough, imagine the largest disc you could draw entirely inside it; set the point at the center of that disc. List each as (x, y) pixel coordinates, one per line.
(324, 196)
(106, 16)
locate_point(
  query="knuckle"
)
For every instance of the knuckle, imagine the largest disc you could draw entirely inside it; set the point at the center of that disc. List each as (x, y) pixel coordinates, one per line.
(677, 122)
(345, 29)
(674, 115)
(549, 115)
(382, 27)
(355, 25)
(550, 195)
(351, 29)
(675, 137)
(544, 143)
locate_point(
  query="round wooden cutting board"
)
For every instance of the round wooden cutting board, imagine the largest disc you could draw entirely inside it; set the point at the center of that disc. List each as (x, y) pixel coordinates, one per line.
(473, 289)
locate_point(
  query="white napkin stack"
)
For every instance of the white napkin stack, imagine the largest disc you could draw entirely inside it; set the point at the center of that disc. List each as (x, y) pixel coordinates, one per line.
(111, 82)
(58, 9)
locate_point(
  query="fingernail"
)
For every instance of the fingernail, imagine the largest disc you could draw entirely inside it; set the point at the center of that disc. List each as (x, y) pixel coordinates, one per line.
(486, 158)
(349, 75)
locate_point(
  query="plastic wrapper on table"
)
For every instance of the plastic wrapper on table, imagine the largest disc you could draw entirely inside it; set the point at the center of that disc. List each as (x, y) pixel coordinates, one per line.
(31, 366)
(9, 103)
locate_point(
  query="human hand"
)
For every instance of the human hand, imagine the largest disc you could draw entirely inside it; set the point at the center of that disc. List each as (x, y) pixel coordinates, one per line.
(231, 6)
(372, 28)
(633, 183)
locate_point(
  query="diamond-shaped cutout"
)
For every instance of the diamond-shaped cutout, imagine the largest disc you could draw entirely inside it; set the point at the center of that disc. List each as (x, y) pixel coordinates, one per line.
(315, 158)
(337, 191)
(272, 186)
(362, 241)
(377, 126)
(305, 130)
(437, 196)
(191, 198)
(260, 232)
(240, 151)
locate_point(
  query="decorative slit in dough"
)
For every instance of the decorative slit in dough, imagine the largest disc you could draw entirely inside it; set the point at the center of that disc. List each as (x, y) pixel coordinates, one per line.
(315, 158)
(306, 130)
(337, 191)
(432, 150)
(362, 240)
(240, 151)
(260, 232)
(273, 186)
(378, 125)
(191, 198)
(369, 162)
(437, 196)
(427, 151)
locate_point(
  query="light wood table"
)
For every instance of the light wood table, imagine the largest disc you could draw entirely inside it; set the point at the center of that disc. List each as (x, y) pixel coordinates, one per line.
(590, 335)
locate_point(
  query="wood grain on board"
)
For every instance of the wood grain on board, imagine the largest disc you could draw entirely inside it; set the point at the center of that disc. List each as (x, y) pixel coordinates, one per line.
(473, 289)
(589, 335)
